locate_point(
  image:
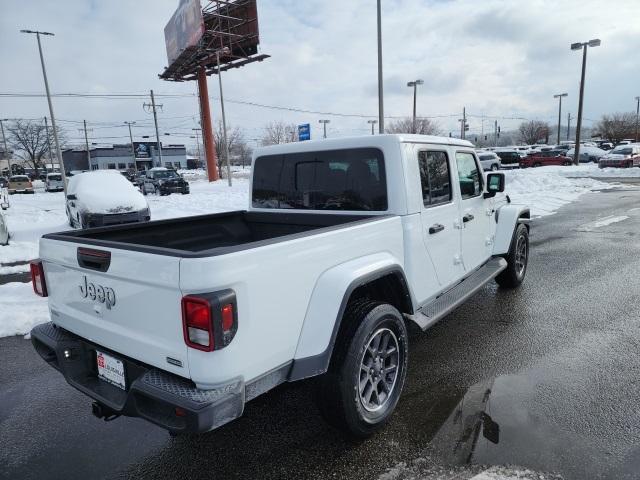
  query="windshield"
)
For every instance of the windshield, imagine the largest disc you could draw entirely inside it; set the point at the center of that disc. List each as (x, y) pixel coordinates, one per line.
(622, 151)
(55, 177)
(486, 157)
(165, 174)
(19, 178)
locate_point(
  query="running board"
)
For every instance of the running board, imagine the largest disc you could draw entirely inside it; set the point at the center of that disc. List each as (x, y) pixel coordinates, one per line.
(435, 310)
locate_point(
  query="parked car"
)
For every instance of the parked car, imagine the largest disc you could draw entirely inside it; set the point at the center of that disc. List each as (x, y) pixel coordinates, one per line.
(4, 182)
(181, 321)
(489, 161)
(509, 158)
(625, 156)
(20, 184)
(546, 158)
(53, 182)
(587, 154)
(104, 197)
(164, 181)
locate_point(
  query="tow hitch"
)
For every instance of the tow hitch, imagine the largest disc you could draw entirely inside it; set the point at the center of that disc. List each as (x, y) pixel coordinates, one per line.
(101, 411)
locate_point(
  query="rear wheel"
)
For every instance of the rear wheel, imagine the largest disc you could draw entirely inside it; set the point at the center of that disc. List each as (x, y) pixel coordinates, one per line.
(537, 164)
(494, 167)
(566, 163)
(367, 371)
(517, 259)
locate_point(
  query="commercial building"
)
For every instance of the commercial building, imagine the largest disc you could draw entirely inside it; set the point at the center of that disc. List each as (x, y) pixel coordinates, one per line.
(120, 157)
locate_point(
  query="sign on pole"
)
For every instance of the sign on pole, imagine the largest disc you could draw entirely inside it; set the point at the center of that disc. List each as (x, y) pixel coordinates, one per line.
(304, 132)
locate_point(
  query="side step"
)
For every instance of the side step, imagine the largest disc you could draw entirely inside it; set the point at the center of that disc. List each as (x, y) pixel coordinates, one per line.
(435, 310)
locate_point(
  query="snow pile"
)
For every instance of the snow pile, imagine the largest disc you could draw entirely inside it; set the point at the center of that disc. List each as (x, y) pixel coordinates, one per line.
(504, 473)
(106, 191)
(592, 170)
(20, 309)
(546, 189)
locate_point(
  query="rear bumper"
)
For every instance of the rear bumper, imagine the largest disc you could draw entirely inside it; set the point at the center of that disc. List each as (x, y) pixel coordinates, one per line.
(150, 393)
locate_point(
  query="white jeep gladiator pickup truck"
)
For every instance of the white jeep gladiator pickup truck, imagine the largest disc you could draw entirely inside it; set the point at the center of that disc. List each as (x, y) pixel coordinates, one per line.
(345, 241)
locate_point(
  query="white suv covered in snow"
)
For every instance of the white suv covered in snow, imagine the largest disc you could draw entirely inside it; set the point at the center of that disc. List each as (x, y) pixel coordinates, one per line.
(344, 242)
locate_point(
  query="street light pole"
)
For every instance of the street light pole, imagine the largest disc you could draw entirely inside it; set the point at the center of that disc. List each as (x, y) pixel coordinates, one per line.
(568, 125)
(583, 46)
(637, 116)
(372, 122)
(133, 152)
(559, 97)
(4, 139)
(380, 88)
(324, 127)
(414, 84)
(53, 118)
(46, 131)
(224, 121)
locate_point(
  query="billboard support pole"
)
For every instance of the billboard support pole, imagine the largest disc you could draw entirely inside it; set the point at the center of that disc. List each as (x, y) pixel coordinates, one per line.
(207, 131)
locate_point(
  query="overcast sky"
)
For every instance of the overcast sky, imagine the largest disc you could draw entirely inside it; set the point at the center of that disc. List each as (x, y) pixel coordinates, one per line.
(497, 58)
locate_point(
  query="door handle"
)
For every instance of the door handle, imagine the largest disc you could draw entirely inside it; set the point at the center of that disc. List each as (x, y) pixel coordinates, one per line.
(467, 218)
(435, 228)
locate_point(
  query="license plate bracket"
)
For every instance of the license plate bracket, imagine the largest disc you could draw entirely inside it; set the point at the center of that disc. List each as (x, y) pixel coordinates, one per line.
(111, 370)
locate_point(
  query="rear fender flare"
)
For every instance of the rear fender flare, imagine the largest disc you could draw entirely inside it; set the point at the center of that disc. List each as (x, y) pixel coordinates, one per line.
(326, 307)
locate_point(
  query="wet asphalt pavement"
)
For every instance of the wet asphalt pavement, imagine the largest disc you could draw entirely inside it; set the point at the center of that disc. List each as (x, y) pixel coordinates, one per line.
(544, 377)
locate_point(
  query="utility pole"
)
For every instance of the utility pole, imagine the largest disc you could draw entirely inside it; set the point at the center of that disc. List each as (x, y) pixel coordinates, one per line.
(372, 122)
(568, 125)
(53, 118)
(464, 122)
(4, 139)
(583, 46)
(86, 143)
(559, 97)
(495, 133)
(197, 143)
(133, 152)
(380, 87)
(224, 121)
(153, 107)
(324, 126)
(46, 131)
(637, 116)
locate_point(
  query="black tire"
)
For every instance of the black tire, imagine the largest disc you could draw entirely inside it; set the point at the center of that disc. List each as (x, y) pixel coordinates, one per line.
(513, 275)
(340, 399)
(495, 167)
(537, 164)
(566, 163)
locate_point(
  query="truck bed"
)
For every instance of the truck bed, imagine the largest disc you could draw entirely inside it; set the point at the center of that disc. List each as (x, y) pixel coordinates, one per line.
(208, 235)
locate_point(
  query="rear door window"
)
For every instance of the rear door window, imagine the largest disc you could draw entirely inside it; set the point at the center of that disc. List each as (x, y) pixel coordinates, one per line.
(349, 179)
(434, 177)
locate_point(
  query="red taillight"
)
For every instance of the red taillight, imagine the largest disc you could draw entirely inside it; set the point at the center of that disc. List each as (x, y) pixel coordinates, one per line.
(197, 323)
(37, 278)
(209, 320)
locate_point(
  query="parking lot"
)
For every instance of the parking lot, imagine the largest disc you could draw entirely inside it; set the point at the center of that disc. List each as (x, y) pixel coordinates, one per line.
(543, 378)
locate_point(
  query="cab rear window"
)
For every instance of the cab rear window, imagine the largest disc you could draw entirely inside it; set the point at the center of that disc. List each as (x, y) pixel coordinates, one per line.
(349, 179)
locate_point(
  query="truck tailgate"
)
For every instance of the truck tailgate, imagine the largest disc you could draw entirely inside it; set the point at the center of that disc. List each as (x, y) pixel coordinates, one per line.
(133, 308)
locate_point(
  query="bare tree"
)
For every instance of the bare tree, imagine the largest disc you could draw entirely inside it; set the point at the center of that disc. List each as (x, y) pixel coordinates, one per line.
(279, 132)
(617, 126)
(239, 149)
(424, 126)
(30, 142)
(533, 131)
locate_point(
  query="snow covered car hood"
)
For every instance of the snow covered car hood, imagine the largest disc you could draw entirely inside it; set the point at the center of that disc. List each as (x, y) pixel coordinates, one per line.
(106, 192)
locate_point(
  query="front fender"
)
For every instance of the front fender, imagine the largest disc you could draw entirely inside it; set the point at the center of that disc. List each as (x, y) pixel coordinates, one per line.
(508, 216)
(327, 303)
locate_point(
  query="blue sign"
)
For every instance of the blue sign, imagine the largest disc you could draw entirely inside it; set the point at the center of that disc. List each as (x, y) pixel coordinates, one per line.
(304, 132)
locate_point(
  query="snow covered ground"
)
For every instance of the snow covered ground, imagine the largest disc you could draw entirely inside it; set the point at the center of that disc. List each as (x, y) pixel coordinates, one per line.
(545, 189)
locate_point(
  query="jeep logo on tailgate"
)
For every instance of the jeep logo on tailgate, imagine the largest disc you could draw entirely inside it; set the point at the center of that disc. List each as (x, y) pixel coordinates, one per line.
(100, 293)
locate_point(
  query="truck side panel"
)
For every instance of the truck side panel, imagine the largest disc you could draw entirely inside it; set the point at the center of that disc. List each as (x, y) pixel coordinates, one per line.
(273, 286)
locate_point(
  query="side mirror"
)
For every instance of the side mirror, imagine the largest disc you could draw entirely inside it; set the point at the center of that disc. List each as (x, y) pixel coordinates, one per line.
(71, 197)
(495, 184)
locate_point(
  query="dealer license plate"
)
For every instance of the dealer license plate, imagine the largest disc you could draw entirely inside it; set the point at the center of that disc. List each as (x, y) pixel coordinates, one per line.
(110, 369)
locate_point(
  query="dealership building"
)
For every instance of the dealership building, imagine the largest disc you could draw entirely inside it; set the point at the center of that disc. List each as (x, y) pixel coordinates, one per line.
(120, 157)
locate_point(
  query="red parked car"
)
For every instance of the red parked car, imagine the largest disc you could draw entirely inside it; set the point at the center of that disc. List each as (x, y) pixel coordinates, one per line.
(543, 159)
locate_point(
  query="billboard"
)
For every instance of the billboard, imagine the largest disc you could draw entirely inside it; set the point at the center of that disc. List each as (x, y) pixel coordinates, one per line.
(185, 29)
